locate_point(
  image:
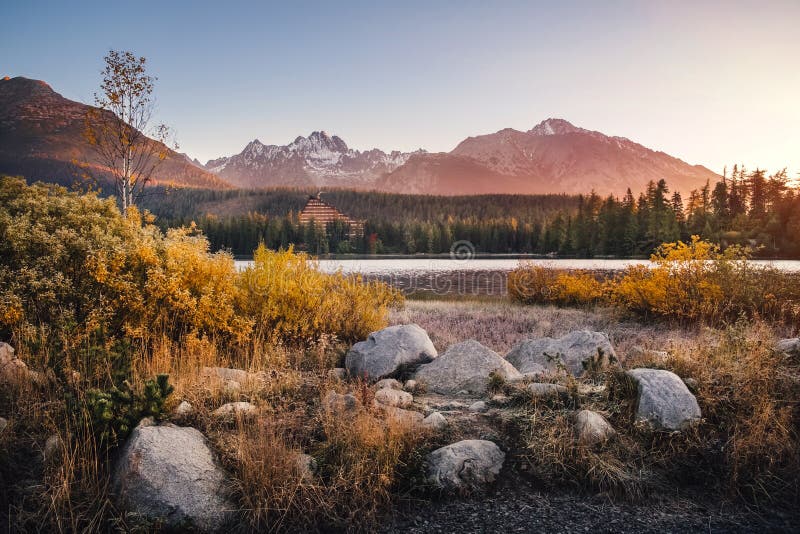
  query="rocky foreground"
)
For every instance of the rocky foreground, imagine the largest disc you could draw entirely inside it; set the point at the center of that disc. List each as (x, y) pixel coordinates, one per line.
(168, 473)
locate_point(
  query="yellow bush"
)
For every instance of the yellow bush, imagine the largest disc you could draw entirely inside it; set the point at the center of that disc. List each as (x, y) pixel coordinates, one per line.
(533, 284)
(685, 281)
(290, 299)
(79, 277)
(577, 288)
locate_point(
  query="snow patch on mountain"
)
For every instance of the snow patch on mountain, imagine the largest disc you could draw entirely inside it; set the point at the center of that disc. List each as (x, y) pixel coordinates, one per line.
(319, 159)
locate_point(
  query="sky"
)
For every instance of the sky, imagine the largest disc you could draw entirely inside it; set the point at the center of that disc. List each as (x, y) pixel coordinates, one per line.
(711, 82)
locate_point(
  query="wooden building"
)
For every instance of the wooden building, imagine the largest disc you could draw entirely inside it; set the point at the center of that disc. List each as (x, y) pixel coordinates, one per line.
(323, 213)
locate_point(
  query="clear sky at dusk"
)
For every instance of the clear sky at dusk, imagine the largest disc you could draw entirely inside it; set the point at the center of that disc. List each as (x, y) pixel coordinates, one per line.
(710, 82)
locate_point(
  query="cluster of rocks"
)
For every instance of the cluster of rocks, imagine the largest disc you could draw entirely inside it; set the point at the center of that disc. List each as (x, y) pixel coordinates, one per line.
(468, 368)
(169, 473)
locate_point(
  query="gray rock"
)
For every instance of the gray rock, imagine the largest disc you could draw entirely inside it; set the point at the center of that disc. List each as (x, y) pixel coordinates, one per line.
(592, 428)
(574, 353)
(691, 383)
(184, 409)
(394, 397)
(169, 474)
(390, 383)
(664, 401)
(435, 421)
(412, 386)
(3, 424)
(540, 390)
(232, 409)
(465, 466)
(386, 351)
(454, 405)
(338, 403)
(500, 400)
(227, 375)
(464, 367)
(53, 448)
(13, 371)
(789, 346)
(337, 373)
(478, 407)
(401, 416)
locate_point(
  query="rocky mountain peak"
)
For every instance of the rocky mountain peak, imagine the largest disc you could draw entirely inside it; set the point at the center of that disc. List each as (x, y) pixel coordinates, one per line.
(320, 159)
(319, 142)
(555, 127)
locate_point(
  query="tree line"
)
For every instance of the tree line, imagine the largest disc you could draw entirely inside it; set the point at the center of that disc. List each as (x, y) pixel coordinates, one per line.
(745, 207)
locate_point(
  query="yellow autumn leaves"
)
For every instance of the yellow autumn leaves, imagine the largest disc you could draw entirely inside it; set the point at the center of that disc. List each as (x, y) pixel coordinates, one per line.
(72, 266)
(686, 281)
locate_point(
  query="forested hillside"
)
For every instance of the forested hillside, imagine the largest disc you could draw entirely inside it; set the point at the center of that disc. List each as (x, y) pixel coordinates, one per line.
(748, 208)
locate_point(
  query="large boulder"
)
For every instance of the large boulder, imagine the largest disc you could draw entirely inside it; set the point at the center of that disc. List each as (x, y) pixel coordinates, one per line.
(789, 346)
(465, 466)
(592, 428)
(574, 353)
(664, 401)
(466, 367)
(387, 351)
(168, 474)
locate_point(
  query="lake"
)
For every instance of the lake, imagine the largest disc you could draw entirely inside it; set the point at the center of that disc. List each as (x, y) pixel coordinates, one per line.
(478, 276)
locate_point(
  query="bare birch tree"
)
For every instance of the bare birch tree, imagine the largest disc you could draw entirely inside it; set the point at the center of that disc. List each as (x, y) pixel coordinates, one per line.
(127, 146)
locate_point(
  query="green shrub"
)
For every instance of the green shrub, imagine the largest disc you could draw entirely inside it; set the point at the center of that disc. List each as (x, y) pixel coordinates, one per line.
(115, 412)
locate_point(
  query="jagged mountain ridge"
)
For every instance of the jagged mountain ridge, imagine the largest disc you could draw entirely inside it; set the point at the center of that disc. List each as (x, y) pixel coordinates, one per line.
(317, 160)
(41, 138)
(552, 157)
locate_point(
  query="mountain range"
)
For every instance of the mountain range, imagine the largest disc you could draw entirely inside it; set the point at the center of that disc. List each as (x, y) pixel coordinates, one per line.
(41, 138)
(318, 160)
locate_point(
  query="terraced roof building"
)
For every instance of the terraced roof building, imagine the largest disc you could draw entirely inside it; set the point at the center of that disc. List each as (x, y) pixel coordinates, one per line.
(322, 214)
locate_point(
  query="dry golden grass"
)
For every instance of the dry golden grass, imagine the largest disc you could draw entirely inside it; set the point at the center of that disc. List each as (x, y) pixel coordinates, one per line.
(747, 445)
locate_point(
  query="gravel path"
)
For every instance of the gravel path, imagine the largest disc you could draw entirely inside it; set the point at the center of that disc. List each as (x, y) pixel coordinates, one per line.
(522, 509)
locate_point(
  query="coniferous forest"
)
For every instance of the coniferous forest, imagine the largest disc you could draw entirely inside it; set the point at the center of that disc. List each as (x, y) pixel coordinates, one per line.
(748, 208)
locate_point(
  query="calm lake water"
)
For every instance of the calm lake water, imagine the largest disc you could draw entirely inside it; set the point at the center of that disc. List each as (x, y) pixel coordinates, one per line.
(473, 276)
